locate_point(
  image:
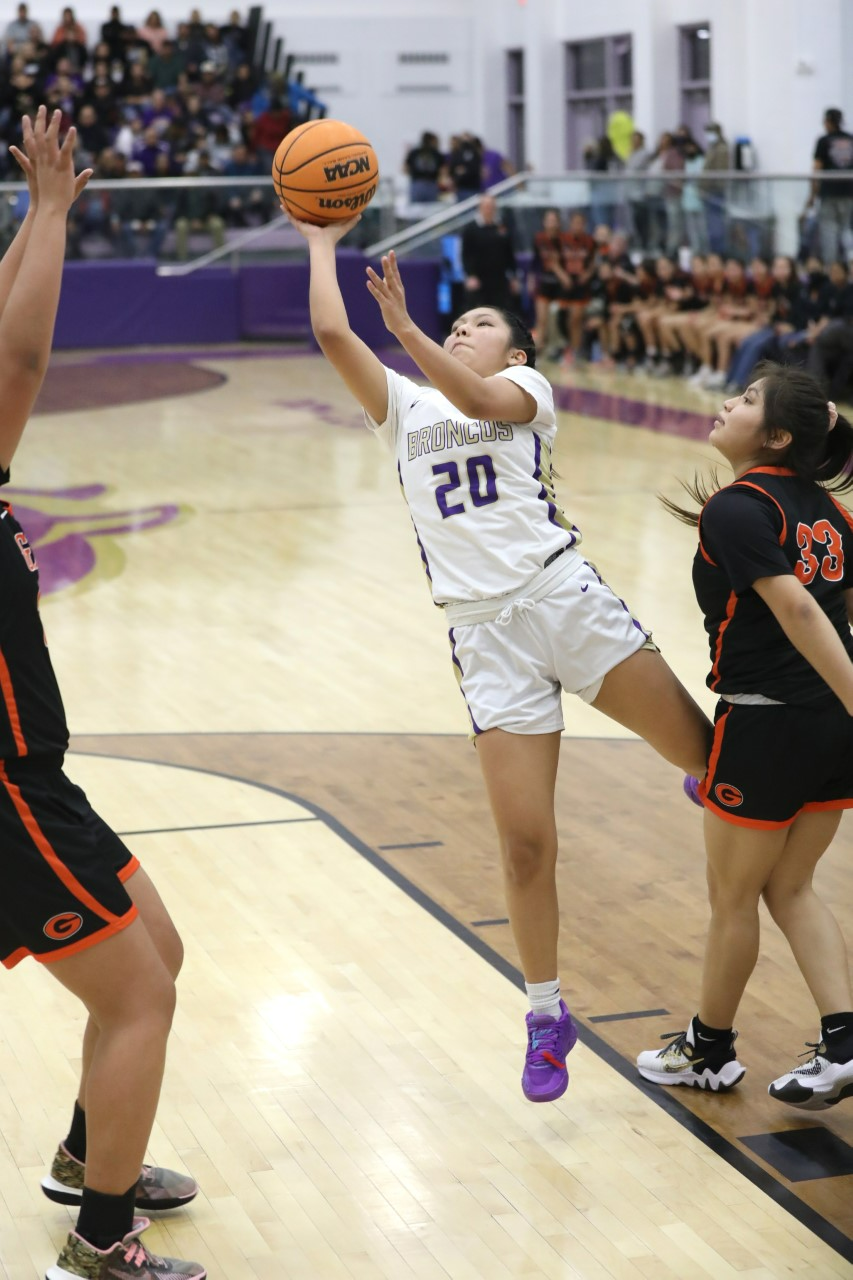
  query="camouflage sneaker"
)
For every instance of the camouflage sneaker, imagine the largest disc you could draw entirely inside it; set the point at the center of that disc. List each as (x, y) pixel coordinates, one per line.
(156, 1188)
(127, 1260)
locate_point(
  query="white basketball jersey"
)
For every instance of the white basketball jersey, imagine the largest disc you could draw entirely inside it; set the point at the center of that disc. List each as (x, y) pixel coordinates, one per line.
(481, 494)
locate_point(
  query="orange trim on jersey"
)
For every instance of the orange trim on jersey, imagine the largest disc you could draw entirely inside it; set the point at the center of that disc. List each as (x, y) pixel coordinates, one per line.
(49, 854)
(62, 953)
(841, 509)
(767, 471)
(128, 869)
(11, 707)
(746, 484)
(718, 650)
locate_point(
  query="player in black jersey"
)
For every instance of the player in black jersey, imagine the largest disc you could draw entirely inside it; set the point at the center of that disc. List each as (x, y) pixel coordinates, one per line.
(71, 894)
(774, 578)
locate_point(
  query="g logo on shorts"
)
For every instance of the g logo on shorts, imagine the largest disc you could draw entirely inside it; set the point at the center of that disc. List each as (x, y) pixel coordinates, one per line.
(728, 795)
(65, 925)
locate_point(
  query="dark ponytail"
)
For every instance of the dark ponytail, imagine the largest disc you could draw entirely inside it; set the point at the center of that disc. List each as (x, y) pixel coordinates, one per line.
(794, 401)
(520, 336)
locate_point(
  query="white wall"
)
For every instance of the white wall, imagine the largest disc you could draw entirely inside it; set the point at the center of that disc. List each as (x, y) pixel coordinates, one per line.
(776, 64)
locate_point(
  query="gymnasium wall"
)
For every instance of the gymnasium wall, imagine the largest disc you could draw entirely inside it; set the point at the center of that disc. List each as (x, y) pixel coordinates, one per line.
(396, 67)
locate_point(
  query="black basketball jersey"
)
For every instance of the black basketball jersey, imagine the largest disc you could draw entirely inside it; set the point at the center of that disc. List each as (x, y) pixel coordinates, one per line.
(32, 718)
(767, 523)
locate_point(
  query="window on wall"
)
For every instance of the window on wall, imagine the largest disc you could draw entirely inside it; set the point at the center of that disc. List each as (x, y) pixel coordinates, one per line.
(695, 75)
(515, 107)
(599, 80)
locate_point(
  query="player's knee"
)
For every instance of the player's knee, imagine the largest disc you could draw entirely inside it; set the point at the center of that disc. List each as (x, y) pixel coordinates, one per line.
(527, 858)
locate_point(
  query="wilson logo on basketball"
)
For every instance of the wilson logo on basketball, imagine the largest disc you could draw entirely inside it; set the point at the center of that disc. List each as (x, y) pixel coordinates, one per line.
(347, 168)
(348, 202)
(728, 795)
(63, 926)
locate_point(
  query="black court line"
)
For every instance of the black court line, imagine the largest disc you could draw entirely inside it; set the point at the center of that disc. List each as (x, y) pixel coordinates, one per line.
(482, 924)
(419, 844)
(668, 1102)
(635, 1013)
(210, 826)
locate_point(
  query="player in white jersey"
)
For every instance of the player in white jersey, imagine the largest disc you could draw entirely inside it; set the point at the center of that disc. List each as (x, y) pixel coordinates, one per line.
(528, 616)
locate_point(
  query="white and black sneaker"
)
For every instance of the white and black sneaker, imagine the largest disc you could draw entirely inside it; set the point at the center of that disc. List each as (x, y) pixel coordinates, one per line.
(817, 1084)
(687, 1060)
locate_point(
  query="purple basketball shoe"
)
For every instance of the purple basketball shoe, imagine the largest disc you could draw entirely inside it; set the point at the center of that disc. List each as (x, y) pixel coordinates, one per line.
(549, 1040)
(691, 789)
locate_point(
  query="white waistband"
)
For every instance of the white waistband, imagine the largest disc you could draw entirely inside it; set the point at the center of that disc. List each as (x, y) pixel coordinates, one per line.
(463, 612)
(751, 700)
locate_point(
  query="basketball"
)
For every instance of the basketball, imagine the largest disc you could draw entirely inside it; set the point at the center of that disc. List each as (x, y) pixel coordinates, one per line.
(325, 171)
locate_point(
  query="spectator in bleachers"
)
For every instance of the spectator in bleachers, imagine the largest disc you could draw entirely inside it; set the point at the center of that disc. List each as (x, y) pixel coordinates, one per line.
(494, 167)
(243, 86)
(785, 319)
(670, 286)
(106, 214)
(69, 29)
(424, 164)
(137, 85)
(672, 167)
(488, 259)
(153, 32)
(740, 312)
(655, 186)
(717, 158)
(114, 33)
(165, 67)
(578, 263)
(190, 45)
(833, 154)
(92, 136)
(547, 282)
(692, 205)
(269, 129)
(198, 210)
(464, 166)
(236, 39)
(636, 194)
(215, 50)
(21, 31)
(604, 194)
(830, 357)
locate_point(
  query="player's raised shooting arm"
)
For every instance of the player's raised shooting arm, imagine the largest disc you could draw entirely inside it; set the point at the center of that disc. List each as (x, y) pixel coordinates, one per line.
(362, 371)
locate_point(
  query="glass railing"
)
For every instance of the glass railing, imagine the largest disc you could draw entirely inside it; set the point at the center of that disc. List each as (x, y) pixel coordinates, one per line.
(187, 220)
(730, 213)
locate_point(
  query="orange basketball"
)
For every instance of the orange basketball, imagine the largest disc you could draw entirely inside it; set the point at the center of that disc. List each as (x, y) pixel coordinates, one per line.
(325, 171)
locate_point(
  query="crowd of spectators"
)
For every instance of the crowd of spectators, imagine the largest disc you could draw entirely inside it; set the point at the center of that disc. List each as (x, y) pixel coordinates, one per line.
(154, 101)
(465, 168)
(711, 321)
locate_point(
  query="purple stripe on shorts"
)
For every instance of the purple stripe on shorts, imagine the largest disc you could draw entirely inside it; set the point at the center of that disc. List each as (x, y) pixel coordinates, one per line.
(458, 664)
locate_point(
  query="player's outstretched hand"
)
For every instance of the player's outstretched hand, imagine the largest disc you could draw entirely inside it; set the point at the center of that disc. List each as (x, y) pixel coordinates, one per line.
(333, 231)
(49, 165)
(388, 291)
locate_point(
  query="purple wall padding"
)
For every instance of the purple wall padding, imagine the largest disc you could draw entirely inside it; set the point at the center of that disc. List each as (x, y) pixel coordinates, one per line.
(126, 304)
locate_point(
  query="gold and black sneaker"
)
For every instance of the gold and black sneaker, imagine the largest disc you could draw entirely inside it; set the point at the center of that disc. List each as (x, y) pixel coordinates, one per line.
(686, 1060)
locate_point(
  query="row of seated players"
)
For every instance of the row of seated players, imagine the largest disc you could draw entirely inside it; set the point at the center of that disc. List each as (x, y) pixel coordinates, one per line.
(712, 323)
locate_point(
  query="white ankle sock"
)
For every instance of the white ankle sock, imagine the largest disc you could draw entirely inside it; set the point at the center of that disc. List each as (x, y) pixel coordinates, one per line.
(544, 997)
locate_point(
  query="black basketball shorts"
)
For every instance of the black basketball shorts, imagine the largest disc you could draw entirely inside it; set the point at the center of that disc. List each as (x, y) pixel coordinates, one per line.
(770, 763)
(62, 869)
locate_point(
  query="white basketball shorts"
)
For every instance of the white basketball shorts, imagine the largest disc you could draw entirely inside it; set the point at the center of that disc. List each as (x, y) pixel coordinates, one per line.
(513, 665)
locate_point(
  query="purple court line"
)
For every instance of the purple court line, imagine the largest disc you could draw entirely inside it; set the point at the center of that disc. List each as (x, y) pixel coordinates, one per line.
(580, 400)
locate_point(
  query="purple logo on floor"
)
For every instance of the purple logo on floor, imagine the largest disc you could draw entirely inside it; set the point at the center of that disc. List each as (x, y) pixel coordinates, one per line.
(73, 540)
